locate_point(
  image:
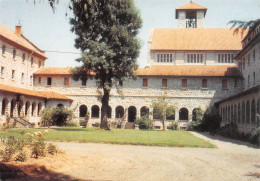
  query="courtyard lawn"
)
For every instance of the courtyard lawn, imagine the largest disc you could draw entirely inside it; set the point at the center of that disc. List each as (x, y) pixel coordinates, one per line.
(116, 136)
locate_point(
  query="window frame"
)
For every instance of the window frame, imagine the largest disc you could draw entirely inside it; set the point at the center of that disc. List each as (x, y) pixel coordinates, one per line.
(66, 81)
(184, 83)
(203, 82)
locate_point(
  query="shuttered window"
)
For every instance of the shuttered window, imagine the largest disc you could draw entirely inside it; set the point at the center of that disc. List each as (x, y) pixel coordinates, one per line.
(145, 82)
(164, 82)
(66, 81)
(184, 83)
(204, 83)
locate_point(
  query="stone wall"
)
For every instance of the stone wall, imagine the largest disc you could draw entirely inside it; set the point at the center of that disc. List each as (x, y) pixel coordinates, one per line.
(18, 65)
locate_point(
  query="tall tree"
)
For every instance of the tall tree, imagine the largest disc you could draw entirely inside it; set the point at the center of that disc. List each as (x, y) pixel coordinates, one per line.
(106, 33)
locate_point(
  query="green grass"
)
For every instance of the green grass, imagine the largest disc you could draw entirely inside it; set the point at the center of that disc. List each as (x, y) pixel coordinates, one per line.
(117, 136)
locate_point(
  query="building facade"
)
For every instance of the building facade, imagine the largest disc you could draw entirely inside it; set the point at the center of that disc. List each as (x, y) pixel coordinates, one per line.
(190, 66)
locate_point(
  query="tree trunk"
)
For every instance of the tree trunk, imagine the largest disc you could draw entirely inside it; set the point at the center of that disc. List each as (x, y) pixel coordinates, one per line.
(104, 108)
(163, 122)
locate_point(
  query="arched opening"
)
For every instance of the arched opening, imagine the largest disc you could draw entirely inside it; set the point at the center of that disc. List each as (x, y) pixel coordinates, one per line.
(4, 105)
(109, 110)
(27, 106)
(20, 107)
(95, 111)
(196, 114)
(83, 110)
(247, 112)
(170, 113)
(39, 109)
(144, 111)
(258, 111)
(60, 105)
(183, 114)
(243, 113)
(33, 109)
(131, 114)
(253, 112)
(119, 112)
(13, 104)
(238, 113)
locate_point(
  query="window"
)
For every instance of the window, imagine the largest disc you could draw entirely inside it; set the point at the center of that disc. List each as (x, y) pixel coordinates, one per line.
(3, 49)
(31, 79)
(248, 81)
(235, 82)
(49, 81)
(204, 83)
(184, 83)
(31, 61)
(194, 58)
(224, 84)
(2, 71)
(244, 63)
(83, 82)
(13, 74)
(23, 57)
(226, 58)
(164, 82)
(164, 58)
(39, 64)
(22, 78)
(39, 80)
(145, 82)
(14, 54)
(66, 81)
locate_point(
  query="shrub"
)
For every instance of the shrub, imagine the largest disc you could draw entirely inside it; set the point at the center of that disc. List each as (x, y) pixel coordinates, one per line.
(12, 145)
(96, 124)
(254, 136)
(173, 126)
(52, 148)
(21, 157)
(210, 121)
(58, 115)
(144, 122)
(72, 124)
(84, 122)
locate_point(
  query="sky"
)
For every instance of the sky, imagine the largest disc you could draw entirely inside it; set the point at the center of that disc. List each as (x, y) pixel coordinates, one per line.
(51, 31)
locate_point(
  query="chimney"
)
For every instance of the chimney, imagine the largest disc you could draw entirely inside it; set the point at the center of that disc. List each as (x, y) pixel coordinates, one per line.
(18, 29)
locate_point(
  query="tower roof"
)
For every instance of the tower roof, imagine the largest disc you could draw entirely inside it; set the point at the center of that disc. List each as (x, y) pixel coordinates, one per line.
(190, 6)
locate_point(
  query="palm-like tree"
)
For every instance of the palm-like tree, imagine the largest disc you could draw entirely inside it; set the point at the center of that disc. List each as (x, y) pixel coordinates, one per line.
(244, 25)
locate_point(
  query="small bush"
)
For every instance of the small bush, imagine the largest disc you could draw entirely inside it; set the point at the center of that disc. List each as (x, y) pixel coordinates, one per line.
(72, 124)
(254, 136)
(38, 145)
(144, 122)
(52, 148)
(173, 126)
(96, 124)
(21, 157)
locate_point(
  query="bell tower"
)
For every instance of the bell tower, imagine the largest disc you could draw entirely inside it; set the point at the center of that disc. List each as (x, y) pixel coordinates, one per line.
(190, 15)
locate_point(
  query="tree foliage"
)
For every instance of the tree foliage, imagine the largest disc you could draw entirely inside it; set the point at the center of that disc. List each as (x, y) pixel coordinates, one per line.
(161, 109)
(56, 116)
(243, 25)
(106, 33)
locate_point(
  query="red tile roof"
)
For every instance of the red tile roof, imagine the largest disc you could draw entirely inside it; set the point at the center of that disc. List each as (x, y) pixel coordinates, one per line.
(28, 92)
(195, 39)
(191, 5)
(190, 71)
(20, 41)
(53, 95)
(53, 71)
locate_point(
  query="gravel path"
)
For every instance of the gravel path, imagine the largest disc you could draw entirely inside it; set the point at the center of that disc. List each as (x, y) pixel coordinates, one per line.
(230, 161)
